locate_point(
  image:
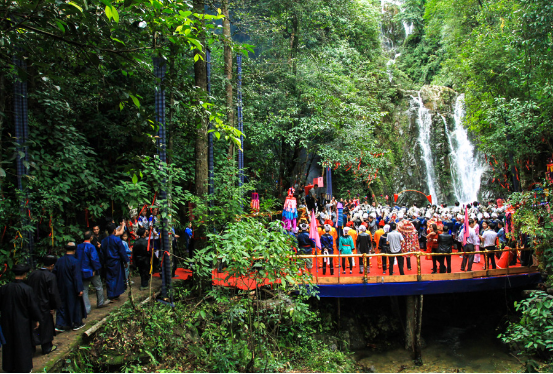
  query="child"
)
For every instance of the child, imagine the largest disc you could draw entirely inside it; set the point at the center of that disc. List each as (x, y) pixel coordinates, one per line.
(124, 239)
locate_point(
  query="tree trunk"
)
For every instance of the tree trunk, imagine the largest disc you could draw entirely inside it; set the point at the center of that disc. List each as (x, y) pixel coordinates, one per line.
(200, 74)
(227, 40)
(2, 111)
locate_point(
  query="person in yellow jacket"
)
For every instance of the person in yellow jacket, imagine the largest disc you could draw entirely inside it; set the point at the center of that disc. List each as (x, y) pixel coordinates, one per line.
(377, 234)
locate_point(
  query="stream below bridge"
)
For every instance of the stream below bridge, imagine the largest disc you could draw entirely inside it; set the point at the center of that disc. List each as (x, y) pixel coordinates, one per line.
(459, 332)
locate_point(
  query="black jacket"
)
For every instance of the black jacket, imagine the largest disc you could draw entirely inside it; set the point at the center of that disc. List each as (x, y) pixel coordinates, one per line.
(445, 242)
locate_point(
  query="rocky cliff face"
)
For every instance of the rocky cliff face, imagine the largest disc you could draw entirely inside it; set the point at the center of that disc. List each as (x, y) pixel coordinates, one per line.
(412, 165)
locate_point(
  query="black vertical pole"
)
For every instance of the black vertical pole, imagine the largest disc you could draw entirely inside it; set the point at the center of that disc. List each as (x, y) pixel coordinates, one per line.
(240, 124)
(22, 133)
(160, 68)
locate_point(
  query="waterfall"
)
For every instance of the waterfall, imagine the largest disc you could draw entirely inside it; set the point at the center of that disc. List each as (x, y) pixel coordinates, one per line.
(466, 168)
(407, 27)
(387, 42)
(424, 123)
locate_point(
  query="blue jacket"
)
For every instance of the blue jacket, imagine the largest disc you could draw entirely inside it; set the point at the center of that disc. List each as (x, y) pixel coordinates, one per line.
(88, 259)
(304, 242)
(114, 250)
(327, 241)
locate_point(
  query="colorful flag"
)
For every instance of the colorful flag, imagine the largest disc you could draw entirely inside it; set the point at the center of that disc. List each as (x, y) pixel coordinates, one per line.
(313, 232)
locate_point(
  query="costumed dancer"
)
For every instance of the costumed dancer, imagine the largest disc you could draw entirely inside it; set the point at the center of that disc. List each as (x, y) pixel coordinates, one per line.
(410, 236)
(290, 211)
(340, 218)
(255, 202)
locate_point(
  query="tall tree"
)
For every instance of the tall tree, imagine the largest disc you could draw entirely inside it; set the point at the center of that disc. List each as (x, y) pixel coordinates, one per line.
(200, 75)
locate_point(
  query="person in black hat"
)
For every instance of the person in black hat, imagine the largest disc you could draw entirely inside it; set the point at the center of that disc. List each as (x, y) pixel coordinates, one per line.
(70, 283)
(20, 316)
(45, 287)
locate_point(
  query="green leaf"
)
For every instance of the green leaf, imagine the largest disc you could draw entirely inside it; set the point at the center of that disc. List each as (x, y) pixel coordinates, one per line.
(75, 5)
(115, 14)
(108, 12)
(60, 26)
(135, 100)
(134, 179)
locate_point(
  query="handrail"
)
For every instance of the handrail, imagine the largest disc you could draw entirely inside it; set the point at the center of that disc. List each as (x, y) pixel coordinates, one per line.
(418, 255)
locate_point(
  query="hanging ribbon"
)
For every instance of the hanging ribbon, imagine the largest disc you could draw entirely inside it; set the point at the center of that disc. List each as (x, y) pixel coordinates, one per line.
(15, 241)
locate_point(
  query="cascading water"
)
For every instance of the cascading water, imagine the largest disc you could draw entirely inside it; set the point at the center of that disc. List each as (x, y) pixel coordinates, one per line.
(424, 123)
(408, 27)
(466, 168)
(387, 36)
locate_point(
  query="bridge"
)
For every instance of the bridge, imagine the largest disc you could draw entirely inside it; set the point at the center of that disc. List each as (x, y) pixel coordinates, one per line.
(417, 281)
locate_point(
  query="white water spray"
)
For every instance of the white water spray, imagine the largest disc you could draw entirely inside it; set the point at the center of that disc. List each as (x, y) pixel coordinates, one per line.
(424, 123)
(466, 168)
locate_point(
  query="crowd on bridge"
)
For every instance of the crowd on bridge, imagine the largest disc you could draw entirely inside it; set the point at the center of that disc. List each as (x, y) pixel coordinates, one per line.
(348, 226)
(54, 298)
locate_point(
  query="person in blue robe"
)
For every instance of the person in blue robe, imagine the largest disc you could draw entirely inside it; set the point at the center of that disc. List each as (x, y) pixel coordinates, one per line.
(116, 259)
(70, 285)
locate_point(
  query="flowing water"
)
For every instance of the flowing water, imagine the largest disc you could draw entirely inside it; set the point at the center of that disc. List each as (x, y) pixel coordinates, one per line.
(424, 123)
(466, 168)
(459, 334)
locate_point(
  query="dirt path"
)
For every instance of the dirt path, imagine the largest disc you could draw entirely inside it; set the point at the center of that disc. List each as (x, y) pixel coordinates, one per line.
(66, 341)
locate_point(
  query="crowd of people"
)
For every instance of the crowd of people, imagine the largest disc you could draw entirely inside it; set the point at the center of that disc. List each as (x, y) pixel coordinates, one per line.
(54, 297)
(349, 226)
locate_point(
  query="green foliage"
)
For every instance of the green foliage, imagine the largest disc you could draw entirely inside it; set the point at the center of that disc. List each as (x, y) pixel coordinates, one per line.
(533, 334)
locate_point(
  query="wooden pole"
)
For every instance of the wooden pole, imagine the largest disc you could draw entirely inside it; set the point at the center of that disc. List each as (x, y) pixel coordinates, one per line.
(418, 329)
(414, 326)
(410, 323)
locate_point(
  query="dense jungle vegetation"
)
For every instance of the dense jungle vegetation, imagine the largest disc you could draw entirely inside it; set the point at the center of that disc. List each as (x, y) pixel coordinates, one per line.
(315, 85)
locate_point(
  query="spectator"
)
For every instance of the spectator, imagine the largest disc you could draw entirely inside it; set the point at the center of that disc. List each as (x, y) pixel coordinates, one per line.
(116, 259)
(20, 316)
(45, 288)
(394, 241)
(90, 269)
(70, 284)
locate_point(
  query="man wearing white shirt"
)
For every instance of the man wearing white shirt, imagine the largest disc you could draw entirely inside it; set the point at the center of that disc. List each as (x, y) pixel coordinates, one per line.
(488, 238)
(472, 240)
